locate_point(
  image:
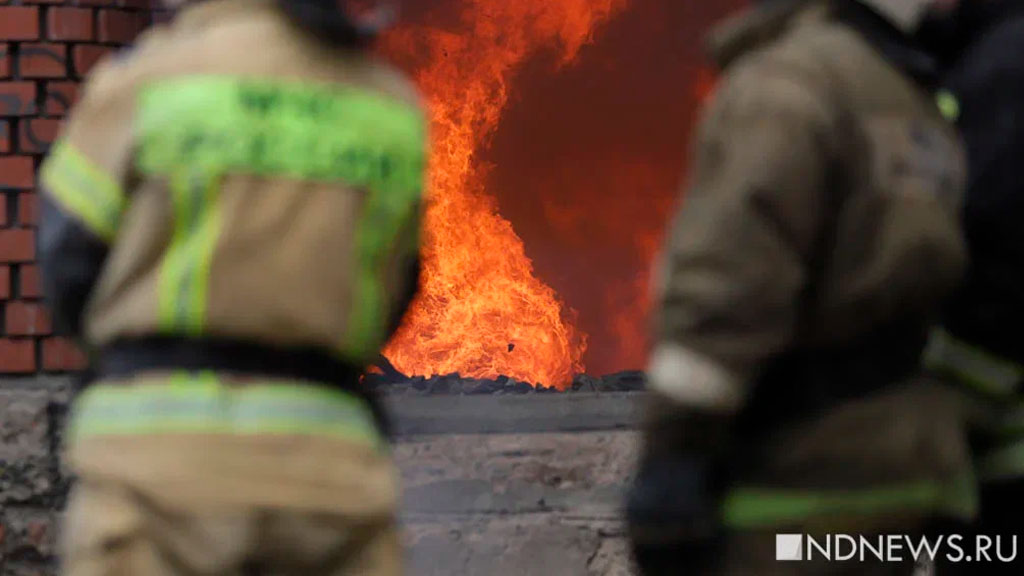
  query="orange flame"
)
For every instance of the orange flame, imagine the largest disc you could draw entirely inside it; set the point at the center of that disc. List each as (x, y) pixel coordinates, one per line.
(482, 311)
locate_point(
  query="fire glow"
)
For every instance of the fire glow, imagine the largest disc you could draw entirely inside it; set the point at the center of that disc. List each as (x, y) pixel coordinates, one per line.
(483, 310)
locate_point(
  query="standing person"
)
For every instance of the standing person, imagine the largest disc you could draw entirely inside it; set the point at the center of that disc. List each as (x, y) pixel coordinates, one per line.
(230, 226)
(817, 240)
(980, 347)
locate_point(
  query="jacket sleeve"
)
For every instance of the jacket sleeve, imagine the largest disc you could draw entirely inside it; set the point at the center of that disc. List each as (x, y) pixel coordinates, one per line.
(741, 245)
(83, 197)
(989, 83)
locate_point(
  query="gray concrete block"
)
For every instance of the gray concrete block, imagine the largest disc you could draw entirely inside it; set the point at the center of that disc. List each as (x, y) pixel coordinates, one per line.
(582, 474)
(535, 545)
(30, 535)
(503, 414)
(25, 425)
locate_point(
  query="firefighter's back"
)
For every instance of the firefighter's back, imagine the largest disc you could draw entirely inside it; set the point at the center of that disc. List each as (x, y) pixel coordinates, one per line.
(274, 174)
(249, 196)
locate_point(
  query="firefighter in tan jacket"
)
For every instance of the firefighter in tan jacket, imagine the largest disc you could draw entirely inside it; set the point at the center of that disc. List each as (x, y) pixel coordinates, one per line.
(815, 242)
(231, 227)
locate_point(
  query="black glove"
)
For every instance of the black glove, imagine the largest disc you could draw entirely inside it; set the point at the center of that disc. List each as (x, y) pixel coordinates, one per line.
(673, 508)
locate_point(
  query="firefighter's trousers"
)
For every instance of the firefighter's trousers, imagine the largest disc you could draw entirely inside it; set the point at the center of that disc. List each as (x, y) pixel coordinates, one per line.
(189, 475)
(896, 463)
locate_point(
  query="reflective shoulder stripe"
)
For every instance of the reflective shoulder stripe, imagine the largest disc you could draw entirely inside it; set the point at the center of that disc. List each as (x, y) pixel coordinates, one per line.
(83, 189)
(970, 365)
(692, 379)
(754, 508)
(202, 404)
(283, 128)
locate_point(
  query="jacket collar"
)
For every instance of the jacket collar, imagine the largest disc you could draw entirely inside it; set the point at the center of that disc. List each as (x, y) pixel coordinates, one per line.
(767, 21)
(204, 13)
(897, 47)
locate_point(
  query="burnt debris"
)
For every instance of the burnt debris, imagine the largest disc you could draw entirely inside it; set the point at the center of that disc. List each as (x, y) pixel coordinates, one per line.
(393, 382)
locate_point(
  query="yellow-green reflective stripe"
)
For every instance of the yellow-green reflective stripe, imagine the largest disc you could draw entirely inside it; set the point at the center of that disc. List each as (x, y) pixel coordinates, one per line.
(360, 138)
(203, 405)
(948, 104)
(185, 272)
(970, 365)
(753, 508)
(1003, 463)
(283, 128)
(84, 189)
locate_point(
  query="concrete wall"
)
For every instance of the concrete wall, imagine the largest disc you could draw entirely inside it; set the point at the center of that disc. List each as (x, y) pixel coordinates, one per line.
(495, 485)
(516, 504)
(535, 489)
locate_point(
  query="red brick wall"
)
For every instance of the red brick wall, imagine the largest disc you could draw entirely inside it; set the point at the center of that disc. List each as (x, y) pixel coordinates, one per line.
(46, 49)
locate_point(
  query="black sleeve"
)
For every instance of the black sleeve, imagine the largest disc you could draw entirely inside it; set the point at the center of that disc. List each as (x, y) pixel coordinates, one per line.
(989, 82)
(70, 261)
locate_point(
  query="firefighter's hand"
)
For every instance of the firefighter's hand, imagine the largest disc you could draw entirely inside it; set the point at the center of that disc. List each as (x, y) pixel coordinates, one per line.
(673, 508)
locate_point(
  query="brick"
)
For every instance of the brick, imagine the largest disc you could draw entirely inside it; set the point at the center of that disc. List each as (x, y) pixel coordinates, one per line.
(28, 209)
(69, 24)
(60, 97)
(5, 282)
(17, 356)
(61, 355)
(17, 98)
(97, 2)
(86, 56)
(30, 286)
(141, 4)
(43, 61)
(17, 172)
(37, 134)
(5, 139)
(4, 217)
(118, 27)
(17, 245)
(27, 319)
(5, 60)
(19, 22)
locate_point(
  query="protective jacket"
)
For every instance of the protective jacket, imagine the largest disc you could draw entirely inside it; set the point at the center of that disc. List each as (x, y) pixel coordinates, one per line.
(231, 179)
(816, 241)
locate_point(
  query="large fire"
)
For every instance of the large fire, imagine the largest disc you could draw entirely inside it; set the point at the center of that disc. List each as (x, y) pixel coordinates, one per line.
(484, 310)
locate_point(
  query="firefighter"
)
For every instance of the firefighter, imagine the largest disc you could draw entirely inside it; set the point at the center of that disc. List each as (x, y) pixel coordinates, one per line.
(230, 227)
(816, 242)
(979, 347)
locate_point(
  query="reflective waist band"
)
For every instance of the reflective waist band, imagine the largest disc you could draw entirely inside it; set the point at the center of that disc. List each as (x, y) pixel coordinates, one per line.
(189, 403)
(748, 508)
(125, 360)
(970, 365)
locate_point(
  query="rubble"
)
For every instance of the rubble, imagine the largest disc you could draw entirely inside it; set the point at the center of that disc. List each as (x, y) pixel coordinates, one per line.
(391, 382)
